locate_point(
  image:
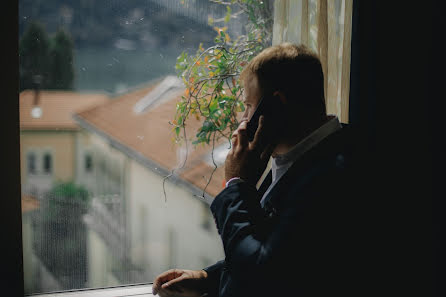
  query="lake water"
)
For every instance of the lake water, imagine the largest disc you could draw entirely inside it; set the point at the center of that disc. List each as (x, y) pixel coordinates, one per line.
(114, 70)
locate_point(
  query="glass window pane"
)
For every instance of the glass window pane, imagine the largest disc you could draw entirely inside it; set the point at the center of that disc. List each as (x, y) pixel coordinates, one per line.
(31, 163)
(99, 86)
(47, 164)
(88, 163)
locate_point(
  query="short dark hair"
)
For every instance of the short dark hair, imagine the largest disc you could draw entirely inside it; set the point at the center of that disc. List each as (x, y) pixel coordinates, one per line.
(292, 69)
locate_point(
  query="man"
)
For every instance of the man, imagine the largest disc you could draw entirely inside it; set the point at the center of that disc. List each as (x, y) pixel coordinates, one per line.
(290, 237)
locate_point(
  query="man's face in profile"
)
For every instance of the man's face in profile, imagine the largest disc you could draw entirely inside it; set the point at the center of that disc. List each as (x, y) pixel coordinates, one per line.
(251, 98)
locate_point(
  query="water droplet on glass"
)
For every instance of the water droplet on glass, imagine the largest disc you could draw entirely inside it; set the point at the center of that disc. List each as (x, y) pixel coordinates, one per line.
(141, 19)
(161, 55)
(83, 68)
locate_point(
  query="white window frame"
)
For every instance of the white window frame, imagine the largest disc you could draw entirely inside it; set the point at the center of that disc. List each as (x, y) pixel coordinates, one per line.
(140, 290)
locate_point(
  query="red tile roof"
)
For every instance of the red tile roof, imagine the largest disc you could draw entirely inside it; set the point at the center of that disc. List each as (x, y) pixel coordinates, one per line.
(150, 134)
(57, 108)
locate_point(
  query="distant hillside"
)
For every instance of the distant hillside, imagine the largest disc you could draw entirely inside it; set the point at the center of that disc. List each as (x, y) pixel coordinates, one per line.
(102, 23)
(120, 44)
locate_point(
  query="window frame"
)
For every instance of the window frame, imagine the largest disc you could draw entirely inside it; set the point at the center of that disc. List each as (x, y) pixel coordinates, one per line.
(118, 291)
(369, 94)
(14, 278)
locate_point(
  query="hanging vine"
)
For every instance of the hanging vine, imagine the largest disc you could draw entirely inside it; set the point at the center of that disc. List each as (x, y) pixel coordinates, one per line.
(213, 91)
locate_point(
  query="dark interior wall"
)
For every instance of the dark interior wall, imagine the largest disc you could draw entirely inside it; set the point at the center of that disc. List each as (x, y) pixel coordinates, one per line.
(11, 275)
(397, 104)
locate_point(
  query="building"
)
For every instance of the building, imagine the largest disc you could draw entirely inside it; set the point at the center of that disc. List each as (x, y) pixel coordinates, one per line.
(48, 154)
(135, 231)
(48, 136)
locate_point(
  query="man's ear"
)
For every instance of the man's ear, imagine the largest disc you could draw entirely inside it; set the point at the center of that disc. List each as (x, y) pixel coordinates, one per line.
(281, 97)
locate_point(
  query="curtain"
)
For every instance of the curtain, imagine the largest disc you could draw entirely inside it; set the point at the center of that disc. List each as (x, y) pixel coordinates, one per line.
(324, 26)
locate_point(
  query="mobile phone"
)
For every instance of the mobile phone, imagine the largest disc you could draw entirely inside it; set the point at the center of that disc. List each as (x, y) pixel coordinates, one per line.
(263, 108)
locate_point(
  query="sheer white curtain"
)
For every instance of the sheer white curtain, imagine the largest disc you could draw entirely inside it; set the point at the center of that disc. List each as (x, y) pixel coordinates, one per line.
(325, 26)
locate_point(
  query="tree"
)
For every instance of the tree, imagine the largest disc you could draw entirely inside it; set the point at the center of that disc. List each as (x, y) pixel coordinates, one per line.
(60, 235)
(44, 62)
(34, 57)
(61, 75)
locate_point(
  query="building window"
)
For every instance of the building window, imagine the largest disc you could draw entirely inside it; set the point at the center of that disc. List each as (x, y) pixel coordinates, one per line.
(31, 163)
(47, 163)
(88, 162)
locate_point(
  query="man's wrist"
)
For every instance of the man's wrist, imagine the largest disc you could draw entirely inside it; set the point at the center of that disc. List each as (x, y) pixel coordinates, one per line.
(203, 274)
(233, 180)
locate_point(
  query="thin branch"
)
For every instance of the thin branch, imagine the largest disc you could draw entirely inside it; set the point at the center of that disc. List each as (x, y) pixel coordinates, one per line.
(181, 167)
(234, 16)
(215, 165)
(221, 2)
(199, 57)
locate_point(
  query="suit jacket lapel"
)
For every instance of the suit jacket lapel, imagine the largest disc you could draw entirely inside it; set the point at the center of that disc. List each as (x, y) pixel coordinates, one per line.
(271, 202)
(302, 170)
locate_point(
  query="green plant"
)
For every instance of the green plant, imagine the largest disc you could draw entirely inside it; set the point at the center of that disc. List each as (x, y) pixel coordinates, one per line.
(66, 199)
(213, 91)
(69, 191)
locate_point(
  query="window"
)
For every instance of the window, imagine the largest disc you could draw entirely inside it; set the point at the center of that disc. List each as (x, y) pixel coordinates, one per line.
(31, 163)
(325, 26)
(47, 163)
(102, 75)
(105, 104)
(88, 165)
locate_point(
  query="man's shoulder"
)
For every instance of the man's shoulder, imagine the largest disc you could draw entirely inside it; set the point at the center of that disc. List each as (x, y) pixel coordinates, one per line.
(326, 165)
(336, 148)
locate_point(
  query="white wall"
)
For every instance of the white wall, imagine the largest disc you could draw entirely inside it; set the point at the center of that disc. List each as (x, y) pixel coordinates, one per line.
(98, 261)
(97, 181)
(177, 221)
(160, 234)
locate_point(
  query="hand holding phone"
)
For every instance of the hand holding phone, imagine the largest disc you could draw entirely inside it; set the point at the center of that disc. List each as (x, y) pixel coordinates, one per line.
(265, 108)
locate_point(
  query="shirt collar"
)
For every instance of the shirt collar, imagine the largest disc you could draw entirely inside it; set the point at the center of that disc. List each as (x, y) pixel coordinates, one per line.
(307, 143)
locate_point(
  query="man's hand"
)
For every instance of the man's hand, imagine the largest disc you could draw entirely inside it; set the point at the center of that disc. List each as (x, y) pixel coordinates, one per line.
(248, 160)
(179, 282)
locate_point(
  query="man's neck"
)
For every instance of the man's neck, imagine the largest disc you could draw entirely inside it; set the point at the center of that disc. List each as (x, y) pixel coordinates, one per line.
(288, 143)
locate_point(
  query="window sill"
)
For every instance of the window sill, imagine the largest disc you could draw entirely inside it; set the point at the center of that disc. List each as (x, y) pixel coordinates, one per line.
(122, 291)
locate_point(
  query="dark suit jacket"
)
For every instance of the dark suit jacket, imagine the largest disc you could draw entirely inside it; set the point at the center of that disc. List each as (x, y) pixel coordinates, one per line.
(302, 242)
